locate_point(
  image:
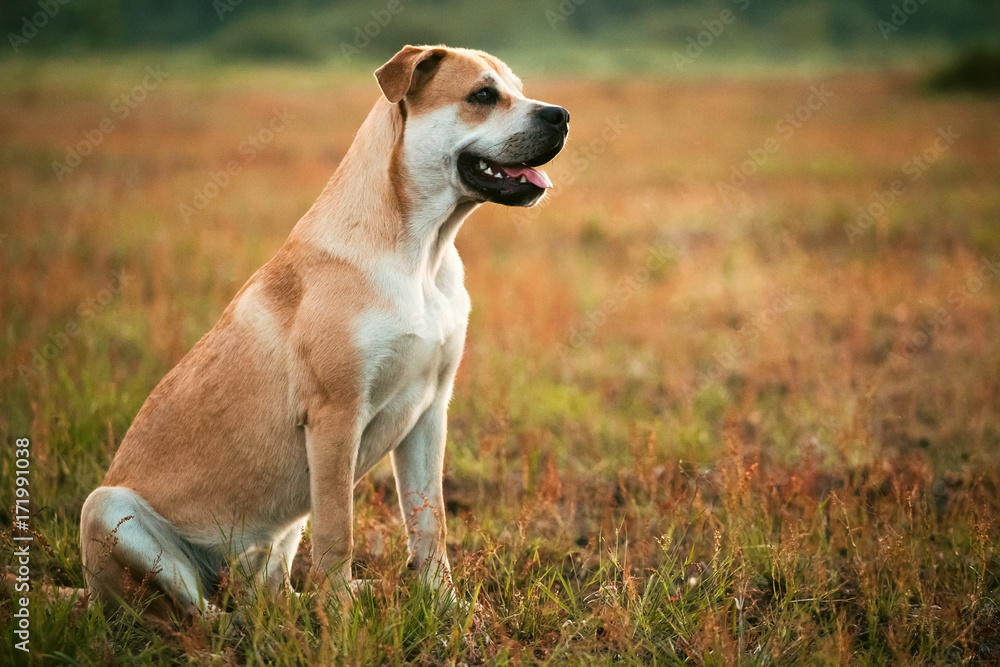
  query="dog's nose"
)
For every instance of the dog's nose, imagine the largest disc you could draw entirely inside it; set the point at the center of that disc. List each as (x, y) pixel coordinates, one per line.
(554, 115)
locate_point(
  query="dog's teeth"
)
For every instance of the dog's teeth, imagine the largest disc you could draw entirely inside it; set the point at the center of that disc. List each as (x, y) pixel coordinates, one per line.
(497, 175)
(488, 171)
(522, 180)
(482, 165)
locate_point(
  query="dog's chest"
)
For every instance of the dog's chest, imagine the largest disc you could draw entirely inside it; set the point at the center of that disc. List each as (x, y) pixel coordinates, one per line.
(410, 353)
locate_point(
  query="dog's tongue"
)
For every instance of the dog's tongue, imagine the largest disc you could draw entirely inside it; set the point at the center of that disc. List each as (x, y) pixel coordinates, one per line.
(536, 176)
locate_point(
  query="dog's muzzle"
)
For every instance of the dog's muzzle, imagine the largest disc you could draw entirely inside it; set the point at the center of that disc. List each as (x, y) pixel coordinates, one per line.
(510, 177)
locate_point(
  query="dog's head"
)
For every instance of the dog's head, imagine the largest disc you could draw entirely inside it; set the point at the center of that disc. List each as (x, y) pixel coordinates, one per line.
(468, 125)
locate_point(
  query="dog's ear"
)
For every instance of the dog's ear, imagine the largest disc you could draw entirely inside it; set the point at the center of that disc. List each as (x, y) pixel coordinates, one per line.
(409, 69)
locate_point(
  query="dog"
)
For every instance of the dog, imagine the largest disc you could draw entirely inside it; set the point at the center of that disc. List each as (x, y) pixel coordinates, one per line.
(341, 349)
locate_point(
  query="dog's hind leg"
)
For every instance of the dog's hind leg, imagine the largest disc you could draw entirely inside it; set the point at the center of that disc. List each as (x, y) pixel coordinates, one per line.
(130, 553)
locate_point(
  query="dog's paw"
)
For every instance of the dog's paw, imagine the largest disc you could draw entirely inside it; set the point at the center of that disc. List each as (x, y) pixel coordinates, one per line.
(359, 587)
(228, 624)
(463, 607)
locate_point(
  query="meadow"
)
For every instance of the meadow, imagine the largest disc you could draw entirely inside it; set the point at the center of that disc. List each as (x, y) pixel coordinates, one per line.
(730, 396)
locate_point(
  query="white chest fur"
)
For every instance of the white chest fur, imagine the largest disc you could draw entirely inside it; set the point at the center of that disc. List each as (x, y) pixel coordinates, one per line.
(410, 353)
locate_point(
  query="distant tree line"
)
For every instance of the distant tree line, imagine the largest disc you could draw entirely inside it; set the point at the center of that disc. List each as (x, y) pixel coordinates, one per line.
(113, 24)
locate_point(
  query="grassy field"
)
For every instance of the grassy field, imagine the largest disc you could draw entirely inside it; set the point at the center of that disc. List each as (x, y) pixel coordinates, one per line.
(730, 396)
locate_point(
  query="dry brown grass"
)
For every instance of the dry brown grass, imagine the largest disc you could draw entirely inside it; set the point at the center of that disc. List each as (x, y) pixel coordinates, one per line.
(751, 455)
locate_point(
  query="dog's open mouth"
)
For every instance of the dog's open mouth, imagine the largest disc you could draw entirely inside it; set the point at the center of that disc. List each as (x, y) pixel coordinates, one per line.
(502, 183)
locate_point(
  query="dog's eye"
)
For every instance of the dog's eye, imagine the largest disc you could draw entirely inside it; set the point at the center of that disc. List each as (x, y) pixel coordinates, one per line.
(487, 95)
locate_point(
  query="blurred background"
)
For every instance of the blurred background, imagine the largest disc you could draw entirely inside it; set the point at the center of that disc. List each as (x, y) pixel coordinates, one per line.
(581, 35)
(751, 340)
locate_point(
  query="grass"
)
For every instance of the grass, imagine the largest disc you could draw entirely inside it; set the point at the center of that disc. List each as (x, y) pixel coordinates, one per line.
(751, 429)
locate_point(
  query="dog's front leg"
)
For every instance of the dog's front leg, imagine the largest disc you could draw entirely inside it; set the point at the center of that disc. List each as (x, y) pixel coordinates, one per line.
(418, 464)
(331, 445)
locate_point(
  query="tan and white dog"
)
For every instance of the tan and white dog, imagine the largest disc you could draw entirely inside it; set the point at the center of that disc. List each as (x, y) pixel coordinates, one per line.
(341, 349)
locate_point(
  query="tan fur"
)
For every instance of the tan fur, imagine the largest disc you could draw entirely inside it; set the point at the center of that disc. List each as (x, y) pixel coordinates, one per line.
(367, 213)
(408, 70)
(340, 349)
(456, 79)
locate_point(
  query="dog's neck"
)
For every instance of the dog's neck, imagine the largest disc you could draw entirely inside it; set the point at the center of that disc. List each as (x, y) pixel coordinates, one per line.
(372, 206)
